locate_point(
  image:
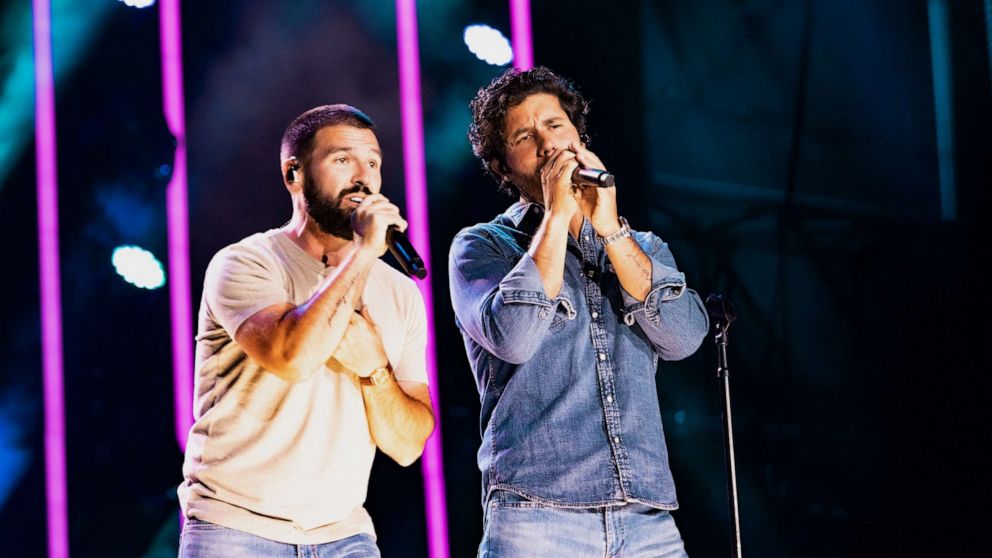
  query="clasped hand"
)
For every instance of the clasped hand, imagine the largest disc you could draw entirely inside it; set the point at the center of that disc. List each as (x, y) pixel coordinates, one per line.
(599, 205)
(360, 351)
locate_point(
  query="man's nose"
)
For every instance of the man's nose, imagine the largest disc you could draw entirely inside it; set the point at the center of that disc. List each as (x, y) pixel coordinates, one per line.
(362, 176)
(546, 145)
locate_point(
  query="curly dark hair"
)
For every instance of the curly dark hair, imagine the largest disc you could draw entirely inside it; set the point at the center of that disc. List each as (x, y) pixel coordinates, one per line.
(492, 103)
(298, 139)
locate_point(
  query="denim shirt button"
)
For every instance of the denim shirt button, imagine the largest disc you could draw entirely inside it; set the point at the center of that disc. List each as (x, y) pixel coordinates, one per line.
(616, 439)
(602, 356)
(609, 399)
(590, 273)
(595, 315)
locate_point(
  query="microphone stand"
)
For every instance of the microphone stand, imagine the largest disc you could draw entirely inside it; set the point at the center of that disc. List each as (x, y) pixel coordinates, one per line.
(722, 314)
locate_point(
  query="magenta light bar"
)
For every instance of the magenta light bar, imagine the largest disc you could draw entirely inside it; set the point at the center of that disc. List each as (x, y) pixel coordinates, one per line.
(416, 210)
(177, 217)
(49, 277)
(523, 45)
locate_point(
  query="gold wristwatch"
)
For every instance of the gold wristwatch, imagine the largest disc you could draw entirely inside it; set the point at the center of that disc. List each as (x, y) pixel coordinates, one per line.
(378, 377)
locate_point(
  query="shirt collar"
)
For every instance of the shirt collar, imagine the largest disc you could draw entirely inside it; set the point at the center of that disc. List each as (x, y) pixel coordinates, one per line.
(525, 216)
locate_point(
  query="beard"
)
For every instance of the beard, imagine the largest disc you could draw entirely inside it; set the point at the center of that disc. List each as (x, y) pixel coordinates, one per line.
(328, 213)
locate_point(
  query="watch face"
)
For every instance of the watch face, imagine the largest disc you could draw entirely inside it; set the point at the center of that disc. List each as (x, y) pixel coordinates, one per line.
(378, 377)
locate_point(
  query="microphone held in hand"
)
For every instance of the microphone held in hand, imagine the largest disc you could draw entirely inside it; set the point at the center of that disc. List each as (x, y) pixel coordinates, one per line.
(401, 249)
(592, 177)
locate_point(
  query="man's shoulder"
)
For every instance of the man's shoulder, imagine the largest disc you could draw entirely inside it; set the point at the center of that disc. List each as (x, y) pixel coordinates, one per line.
(257, 251)
(260, 244)
(500, 230)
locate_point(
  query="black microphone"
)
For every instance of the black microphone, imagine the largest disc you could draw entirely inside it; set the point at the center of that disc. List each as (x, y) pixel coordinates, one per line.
(592, 177)
(720, 309)
(401, 249)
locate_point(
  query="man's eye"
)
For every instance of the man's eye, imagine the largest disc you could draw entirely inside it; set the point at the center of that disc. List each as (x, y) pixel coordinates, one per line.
(373, 164)
(341, 160)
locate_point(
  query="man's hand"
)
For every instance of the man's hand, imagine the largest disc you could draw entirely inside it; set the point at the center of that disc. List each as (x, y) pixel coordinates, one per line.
(560, 196)
(360, 351)
(372, 218)
(601, 201)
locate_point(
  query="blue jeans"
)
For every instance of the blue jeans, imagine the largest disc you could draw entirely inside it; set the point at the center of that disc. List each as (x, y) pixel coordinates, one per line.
(207, 540)
(517, 527)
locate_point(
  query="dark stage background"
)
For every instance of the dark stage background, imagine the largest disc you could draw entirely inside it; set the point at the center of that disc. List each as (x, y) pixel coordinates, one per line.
(787, 150)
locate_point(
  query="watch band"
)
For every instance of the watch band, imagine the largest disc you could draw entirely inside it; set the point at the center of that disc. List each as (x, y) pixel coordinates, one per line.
(624, 232)
(378, 377)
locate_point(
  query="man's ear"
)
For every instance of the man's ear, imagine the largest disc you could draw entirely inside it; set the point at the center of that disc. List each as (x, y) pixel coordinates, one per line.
(498, 168)
(291, 172)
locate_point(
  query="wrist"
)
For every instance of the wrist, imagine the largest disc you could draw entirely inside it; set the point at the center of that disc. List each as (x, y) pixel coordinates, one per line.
(557, 217)
(610, 228)
(378, 377)
(365, 252)
(619, 233)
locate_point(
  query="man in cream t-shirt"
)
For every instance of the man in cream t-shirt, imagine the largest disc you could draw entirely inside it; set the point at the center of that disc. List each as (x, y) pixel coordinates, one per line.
(310, 354)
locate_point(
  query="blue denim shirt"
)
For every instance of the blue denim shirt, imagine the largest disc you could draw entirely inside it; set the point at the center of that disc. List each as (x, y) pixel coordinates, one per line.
(570, 412)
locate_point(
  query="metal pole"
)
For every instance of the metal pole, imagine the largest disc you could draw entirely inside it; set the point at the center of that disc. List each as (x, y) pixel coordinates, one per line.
(722, 313)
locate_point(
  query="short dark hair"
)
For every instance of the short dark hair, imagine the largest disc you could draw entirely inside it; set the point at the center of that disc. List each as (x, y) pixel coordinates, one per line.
(298, 139)
(492, 103)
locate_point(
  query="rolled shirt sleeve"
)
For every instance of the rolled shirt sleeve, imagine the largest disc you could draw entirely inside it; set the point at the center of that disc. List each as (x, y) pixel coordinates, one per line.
(500, 304)
(672, 315)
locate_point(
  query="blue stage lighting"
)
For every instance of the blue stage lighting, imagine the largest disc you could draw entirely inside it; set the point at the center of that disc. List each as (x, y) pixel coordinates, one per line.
(488, 44)
(138, 267)
(138, 3)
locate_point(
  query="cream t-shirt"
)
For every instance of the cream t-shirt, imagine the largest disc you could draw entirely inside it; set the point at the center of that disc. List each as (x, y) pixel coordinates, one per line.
(288, 462)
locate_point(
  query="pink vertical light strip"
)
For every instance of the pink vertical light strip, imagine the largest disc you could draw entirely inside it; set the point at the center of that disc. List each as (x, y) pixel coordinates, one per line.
(49, 277)
(523, 44)
(177, 217)
(416, 209)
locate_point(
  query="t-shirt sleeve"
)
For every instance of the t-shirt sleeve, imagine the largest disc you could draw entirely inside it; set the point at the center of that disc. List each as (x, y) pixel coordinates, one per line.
(412, 366)
(239, 282)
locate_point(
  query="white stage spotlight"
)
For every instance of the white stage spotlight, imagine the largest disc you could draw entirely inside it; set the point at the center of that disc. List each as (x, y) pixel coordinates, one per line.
(488, 44)
(138, 267)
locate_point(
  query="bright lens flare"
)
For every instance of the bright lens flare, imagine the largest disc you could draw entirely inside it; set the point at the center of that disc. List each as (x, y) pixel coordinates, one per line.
(488, 44)
(138, 267)
(138, 3)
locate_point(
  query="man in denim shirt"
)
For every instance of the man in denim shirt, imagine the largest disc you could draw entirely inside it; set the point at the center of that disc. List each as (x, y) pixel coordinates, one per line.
(565, 311)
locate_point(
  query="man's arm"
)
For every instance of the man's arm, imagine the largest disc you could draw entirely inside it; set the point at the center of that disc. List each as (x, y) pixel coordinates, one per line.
(654, 291)
(399, 413)
(550, 242)
(400, 418)
(671, 315)
(294, 341)
(632, 265)
(507, 307)
(500, 304)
